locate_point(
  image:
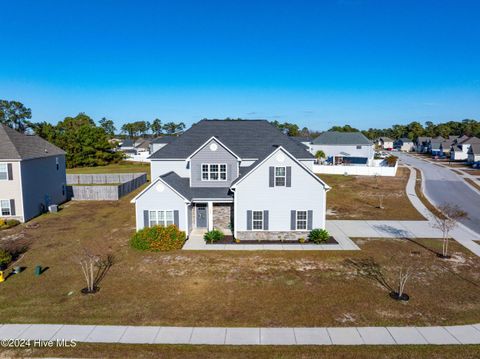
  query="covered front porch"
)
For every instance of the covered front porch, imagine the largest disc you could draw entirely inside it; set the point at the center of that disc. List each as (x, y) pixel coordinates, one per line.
(207, 215)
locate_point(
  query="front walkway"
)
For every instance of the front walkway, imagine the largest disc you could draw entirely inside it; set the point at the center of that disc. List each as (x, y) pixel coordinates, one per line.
(440, 335)
(196, 242)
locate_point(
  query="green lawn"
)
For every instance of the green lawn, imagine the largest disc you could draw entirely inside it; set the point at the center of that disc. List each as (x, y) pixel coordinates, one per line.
(122, 167)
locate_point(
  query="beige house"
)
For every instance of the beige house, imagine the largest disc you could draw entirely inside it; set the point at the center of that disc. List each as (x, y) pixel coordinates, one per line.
(32, 175)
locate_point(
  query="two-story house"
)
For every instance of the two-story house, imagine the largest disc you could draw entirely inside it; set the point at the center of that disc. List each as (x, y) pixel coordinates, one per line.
(239, 175)
(344, 148)
(32, 175)
(459, 150)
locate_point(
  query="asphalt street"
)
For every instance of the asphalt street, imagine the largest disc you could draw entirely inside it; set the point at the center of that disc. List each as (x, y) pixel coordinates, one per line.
(443, 186)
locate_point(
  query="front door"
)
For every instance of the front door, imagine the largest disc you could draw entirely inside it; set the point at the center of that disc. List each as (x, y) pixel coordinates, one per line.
(201, 216)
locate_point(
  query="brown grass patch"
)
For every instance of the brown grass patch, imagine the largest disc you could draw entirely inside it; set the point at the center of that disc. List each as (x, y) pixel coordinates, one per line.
(221, 288)
(358, 197)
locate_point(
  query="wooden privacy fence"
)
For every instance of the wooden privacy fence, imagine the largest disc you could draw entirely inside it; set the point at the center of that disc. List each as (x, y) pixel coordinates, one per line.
(103, 187)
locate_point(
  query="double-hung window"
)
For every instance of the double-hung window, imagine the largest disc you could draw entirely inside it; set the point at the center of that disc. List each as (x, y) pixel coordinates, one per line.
(214, 172)
(160, 218)
(5, 207)
(301, 220)
(257, 220)
(280, 176)
(3, 171)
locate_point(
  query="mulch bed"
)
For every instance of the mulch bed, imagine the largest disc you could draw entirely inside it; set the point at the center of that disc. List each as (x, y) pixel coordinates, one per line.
(229, 240)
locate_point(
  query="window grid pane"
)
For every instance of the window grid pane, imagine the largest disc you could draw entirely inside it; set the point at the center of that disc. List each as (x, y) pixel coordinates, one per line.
(3, 171)
(257, 220)
(5, 205)
(301, 219)
(280, 176)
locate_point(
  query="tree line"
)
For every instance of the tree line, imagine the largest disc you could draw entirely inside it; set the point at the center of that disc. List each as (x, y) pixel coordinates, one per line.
(415, 129)
(156, 128)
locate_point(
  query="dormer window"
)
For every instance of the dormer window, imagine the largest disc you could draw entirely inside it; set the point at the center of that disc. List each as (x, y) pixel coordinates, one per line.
(280, 176)
(214, 172)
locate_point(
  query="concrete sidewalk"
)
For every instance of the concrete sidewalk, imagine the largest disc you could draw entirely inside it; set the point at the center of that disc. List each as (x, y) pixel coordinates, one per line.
(438, 335)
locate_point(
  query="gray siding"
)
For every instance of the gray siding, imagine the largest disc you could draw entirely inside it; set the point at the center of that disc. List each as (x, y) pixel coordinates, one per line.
(254, 193)
(166, 199)
(42, 180)
(160, 167)
(206, 155)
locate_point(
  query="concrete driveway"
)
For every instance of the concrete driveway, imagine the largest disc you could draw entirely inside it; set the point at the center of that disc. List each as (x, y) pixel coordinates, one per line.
(444, 186)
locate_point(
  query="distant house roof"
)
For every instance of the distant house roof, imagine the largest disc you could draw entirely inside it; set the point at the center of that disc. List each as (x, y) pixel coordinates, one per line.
(385, 139)
(164, 139)
(250, 139)
(182, 186)
(128, 143)
(18, 146)
(423, 140)
(301, 138)
(144, 144)
(405, 140)
(470, 141)
(474, 149)
(341, 138)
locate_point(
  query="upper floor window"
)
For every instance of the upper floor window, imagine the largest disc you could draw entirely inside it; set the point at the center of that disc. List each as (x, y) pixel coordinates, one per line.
(3, 171)
(301, 219)
(5, 208)
(160, 218)
(214, 172)
(57, 163)
(257, 220)
(280, 176)
(359, 147)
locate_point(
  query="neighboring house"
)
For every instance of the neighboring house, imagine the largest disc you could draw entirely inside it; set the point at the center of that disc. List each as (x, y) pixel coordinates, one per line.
(422, 144)
(160, 142)
(239, 175)
(32, 175)
(436, 147)
(474, 153)
(306, 141)
(385, 143)
(459, 150)
(404, 144)
(127, 145)
(143, 146)
(344, 148)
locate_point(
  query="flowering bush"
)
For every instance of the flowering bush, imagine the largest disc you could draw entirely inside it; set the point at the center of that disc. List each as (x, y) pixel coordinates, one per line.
(158, 239)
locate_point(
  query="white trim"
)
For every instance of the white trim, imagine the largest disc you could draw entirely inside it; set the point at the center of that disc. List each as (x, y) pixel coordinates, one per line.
(206, 143)
(6, 171)
(9, 208)
(153, 183)
(209, 172)
(275, 176)
(306, 220)
(280, 148)
(165, 218)
(215, 200)
(253, 220)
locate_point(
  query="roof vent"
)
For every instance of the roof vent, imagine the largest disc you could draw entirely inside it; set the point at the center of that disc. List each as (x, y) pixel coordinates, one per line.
(276, 146)
(46, 151)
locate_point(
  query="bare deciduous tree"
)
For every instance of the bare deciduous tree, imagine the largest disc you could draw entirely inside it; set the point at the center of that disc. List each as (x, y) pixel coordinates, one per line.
(94, 268)
(446, 223)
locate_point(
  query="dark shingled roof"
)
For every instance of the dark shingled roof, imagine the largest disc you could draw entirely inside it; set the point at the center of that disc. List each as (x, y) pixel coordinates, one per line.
(341, 138)
(128, 143)
(18, 146)
(182, 186)
(246, 138)
(164, 139)
(301, 138)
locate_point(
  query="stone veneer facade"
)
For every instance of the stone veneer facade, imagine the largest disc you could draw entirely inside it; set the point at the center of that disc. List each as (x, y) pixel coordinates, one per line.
(223, 215)
(272, 235)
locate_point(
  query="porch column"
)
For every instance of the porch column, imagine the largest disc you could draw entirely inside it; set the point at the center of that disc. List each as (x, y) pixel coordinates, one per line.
(210, 215)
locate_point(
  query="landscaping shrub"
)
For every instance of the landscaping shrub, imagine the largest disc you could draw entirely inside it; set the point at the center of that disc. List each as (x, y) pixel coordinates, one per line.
(213, 236)
(391, 160)
(158, 238)
(318, 235)
(8, 223)
(5, 258)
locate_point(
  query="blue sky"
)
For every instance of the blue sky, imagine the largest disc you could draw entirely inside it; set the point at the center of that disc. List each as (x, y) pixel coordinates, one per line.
(316, 63)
